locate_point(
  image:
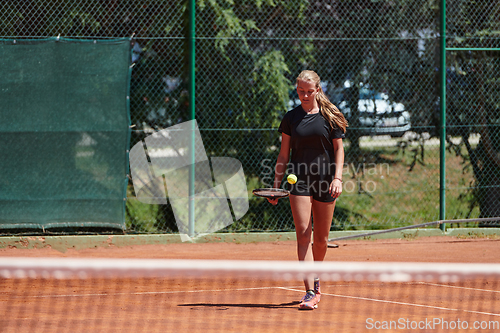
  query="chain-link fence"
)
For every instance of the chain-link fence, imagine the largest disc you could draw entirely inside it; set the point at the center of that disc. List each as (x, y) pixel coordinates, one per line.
(378, 61)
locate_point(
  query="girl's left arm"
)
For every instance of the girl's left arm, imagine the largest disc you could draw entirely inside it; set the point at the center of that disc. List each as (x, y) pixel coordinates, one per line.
(336, 185)
(339, 157)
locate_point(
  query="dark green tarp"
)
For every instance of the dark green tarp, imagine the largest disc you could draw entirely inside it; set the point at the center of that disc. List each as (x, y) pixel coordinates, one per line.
(64, 132)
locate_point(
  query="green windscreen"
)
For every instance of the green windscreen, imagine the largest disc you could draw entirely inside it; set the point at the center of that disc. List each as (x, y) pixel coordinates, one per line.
(64, 133)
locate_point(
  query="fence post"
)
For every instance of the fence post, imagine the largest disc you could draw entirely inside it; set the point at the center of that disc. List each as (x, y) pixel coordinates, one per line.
(442, 147)
(192, 76)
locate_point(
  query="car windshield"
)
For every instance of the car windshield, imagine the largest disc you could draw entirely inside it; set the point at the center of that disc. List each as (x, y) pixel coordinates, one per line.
(370, 94)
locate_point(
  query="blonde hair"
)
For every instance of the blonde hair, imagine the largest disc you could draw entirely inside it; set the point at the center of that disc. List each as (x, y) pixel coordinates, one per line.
(327, 109)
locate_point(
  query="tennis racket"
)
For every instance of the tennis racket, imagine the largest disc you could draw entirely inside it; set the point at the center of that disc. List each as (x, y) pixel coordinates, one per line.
(272, 193)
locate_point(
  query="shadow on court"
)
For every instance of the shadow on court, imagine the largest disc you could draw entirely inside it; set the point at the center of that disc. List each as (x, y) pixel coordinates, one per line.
(226, 306)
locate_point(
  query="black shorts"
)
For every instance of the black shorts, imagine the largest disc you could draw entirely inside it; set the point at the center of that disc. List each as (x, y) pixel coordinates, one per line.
(316, 186)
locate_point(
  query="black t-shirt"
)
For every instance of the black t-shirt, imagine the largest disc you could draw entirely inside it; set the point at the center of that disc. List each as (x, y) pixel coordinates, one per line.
(311, 142)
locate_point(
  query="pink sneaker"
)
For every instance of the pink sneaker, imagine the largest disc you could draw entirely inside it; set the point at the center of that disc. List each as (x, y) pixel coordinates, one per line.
(309, 301)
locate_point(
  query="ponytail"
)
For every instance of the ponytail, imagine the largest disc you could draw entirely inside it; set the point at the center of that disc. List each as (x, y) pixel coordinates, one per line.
(330, 112)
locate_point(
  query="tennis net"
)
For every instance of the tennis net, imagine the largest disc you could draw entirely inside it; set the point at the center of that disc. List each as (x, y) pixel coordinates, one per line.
(143, 295)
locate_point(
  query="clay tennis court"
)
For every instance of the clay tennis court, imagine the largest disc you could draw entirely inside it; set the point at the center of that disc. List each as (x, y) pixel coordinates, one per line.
(249, 305)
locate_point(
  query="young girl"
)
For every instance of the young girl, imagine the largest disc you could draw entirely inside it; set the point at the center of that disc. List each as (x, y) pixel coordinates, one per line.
(313, 133)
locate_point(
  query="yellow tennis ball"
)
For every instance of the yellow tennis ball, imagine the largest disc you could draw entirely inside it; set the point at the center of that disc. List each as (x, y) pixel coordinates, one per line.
(292, 179)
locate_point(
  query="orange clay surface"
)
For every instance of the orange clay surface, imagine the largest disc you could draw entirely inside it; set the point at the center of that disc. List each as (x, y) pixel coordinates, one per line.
(255, 305)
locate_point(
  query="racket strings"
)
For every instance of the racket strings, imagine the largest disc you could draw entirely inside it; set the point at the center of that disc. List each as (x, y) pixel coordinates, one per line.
(271, 193)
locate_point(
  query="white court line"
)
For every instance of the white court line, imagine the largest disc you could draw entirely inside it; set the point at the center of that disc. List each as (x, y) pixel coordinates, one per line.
(146, 293)
(459, 287)
(282, 288)
(165, 292)
(401, 303)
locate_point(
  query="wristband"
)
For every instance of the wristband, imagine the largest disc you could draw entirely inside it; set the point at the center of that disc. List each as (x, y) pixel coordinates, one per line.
(339, 179)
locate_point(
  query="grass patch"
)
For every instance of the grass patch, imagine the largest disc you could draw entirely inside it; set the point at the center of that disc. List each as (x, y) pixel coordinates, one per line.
(477, 235)
(392, 191)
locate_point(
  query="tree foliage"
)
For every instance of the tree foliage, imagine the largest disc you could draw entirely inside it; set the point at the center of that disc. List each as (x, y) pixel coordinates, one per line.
(250, 51)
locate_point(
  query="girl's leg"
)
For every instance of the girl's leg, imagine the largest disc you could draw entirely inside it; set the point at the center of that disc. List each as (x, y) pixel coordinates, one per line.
(322, 217)
(301, 211)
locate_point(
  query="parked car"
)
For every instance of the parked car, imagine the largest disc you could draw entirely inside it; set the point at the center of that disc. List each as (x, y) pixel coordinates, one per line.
(378, 115)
